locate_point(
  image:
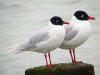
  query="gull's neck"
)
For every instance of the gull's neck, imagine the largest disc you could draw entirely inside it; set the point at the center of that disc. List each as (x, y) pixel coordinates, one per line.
(50, 24)
(74, 20)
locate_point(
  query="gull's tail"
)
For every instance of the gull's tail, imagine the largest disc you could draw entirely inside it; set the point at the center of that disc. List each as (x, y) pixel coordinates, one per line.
(15, 50)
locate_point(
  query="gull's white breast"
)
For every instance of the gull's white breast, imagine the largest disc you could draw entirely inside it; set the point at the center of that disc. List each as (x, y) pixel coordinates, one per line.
(83, 30)
(56, 35)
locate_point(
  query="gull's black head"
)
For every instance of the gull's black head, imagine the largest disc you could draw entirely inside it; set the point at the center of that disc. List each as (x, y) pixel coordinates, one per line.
(56, 20)
(81, 15)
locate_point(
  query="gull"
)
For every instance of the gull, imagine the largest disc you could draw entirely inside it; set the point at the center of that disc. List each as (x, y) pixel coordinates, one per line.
(77, 32)
(45, 40)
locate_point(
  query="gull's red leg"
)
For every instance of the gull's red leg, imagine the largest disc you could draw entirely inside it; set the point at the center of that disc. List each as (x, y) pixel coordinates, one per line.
(46, 58)
(74, 55)
(70, 50)
(51, 65)
(49, 58)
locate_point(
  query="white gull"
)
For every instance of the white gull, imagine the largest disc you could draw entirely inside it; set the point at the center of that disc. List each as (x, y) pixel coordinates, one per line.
(77, 32)
(45, 40)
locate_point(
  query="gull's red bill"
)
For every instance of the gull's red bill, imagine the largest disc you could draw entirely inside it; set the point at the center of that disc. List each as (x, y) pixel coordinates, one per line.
(66, 22)
(91, 18)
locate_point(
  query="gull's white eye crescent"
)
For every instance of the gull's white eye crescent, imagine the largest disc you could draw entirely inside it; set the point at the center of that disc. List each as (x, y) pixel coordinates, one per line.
(57, 21)
(82, 15)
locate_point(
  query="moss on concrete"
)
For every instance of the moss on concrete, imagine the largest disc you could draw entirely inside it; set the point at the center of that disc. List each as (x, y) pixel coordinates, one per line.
(62, 69)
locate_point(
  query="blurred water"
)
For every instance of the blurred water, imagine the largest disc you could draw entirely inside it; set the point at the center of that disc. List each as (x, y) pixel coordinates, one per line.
(19, 18)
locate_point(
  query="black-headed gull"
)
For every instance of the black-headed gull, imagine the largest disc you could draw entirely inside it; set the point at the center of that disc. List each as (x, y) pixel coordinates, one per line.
(77, 32)
(46, 39)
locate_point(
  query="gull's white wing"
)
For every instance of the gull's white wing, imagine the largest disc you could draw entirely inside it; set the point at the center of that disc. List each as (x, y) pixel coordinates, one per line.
(70, 33)
(38, 36)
